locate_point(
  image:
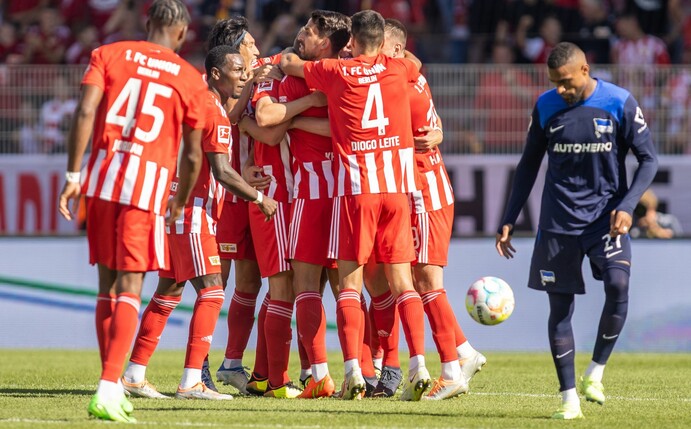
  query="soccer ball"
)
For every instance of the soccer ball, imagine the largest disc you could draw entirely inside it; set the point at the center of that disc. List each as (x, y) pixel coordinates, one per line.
(489, 301)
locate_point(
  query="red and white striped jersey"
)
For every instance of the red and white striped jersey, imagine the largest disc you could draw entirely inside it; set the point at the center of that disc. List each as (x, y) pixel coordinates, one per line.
(369, 114)
(435, 187)
(238, 155)
(275, 161)
(203, 209)
(312, 153)
(148, 93)
(647, 50)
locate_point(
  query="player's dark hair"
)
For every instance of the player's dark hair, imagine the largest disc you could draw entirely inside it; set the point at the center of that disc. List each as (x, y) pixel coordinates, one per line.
(396, 29)
(562, 54)
(166, 13)
(333, 25)
(229, 31)
(367, 27)
(218, 57)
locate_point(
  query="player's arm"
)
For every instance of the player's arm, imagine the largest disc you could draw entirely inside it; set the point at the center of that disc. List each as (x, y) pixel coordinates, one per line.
(638, 138)
(232, 181)
(432, 137)
(189, 165)
(319, 126)
(77, 141)
(523, 181)
(271, 136)
(292, 65)
(411, 57)
(270, 112)
(253, 174)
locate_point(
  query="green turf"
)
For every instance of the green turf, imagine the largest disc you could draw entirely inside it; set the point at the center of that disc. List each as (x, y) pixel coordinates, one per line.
(51, 389)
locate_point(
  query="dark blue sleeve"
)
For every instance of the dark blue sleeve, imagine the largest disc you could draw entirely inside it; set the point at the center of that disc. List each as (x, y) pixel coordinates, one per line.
(526, 171)
(637, 136)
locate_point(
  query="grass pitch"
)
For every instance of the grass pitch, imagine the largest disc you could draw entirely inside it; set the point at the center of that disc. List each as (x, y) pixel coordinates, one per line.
(51, 388)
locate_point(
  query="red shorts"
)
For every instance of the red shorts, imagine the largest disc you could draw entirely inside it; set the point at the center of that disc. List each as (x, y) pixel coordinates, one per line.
(371, 223)
(310, 221)
(191, 256)
(233, 232)
(432, 234)
(125, 238)
(272, 239)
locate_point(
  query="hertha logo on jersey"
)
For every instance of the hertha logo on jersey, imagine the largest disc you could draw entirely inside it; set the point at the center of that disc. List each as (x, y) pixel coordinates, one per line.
(603, 126)
(223, 134)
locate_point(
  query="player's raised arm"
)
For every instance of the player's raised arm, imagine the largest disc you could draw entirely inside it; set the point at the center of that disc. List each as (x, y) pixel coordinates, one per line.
(77, 141)
(292, 65)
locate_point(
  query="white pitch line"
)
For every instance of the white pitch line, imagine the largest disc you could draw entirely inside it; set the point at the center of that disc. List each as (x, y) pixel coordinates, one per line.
(544, 395)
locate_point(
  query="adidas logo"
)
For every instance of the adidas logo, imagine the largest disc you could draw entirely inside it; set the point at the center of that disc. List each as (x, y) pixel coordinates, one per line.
(383, 333)
(207, 339)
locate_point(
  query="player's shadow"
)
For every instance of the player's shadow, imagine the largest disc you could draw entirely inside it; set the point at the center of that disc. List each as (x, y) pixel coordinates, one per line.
(42, 393)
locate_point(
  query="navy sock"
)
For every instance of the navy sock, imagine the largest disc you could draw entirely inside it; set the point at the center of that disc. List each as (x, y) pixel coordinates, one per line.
(613, 313)
(561, 341)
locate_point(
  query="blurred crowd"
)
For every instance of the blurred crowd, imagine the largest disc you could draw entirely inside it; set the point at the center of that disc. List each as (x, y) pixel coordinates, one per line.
(442, 31)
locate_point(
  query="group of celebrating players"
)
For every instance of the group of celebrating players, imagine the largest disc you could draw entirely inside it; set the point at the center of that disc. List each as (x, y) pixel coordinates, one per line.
(329, 153)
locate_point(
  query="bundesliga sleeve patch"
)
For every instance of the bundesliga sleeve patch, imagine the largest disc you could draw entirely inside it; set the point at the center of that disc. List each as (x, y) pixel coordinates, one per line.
(265, 86)
(223, 134)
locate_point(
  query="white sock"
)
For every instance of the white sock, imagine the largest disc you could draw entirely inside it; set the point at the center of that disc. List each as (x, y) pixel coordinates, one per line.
(465, 350)
(232, 363)
(135, 373)
(304, 373)
(109, 391)
(570, 396)
(190, 377)
(377, 362)
(416, 362)
(595, 371)
(451, 371)
(351, 365)
(320, 370)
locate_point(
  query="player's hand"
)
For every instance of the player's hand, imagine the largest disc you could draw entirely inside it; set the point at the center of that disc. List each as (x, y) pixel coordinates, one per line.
(267, 72)
(619, 223)
(268, 206)
(175, 207)
(503, 242)
(69, 192)
(431, 138)
(254, 177)
(318, 99)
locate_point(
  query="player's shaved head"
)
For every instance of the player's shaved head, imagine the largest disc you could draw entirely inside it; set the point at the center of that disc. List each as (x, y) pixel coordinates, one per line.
(368, 29)
(168, 13)
(396, 30)
(565, 53)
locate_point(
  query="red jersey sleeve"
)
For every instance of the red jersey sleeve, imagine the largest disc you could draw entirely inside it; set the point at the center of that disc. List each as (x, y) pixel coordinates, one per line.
(265, 89)
(217, 134)
(320, 74)
(95, 72)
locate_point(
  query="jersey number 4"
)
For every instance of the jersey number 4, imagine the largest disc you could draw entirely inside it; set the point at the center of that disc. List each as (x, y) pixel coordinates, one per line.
(130, 95)
(374, 102)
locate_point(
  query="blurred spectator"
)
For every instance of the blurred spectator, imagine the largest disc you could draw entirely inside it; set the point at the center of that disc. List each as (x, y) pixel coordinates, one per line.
(537, 49)
(56, 115)
(10, 47)
(27, 136)
(634, 47)
(129, 28)
(676, 104)
(503, 100)
(24, 12)
(661, 18)
(484, 17)
(46, 42)
(105, 15)
(459, 33)
(80, 51)
(650, 223)
(595, 31)
(281, 34)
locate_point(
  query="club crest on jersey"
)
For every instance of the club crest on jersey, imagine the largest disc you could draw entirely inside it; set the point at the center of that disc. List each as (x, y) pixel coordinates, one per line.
(223, 134)
(603, 126)
(547, 277)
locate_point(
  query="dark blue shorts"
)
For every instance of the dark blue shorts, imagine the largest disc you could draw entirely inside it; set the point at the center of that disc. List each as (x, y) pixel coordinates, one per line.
(556, 265)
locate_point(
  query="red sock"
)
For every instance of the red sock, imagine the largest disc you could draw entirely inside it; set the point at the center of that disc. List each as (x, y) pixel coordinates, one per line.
(413, 321)
(278, 337)
(302, 351)
(123, 326)
(151, 327)
(440, 315)
(366, 364)
(261, 365)
(105, 304)
(311, 322)
(204, 317)
(375, 346)
(349, 319)
(458, 332)
(386, 321)
(240, 322)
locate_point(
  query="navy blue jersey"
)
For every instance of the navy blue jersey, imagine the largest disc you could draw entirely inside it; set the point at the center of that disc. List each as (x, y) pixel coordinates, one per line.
(586, 143)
